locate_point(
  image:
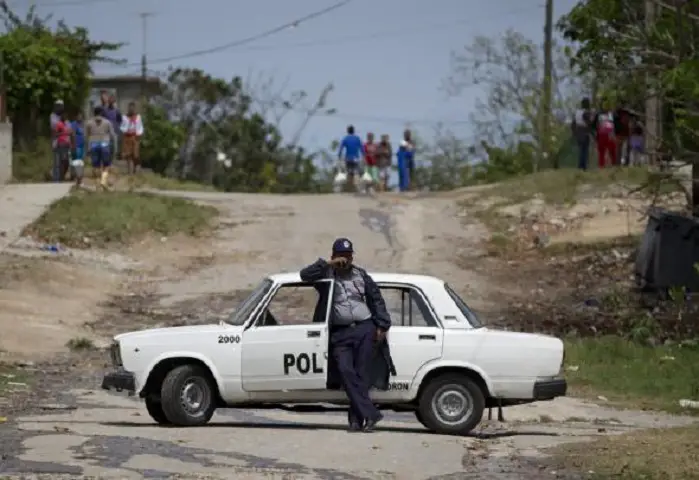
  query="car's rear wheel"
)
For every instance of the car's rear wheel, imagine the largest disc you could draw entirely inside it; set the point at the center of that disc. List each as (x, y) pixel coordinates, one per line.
(187, 396)
(451, 404)
(155, 410)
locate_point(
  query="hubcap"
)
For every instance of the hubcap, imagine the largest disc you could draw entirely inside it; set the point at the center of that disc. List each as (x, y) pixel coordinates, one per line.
(193, 396)
(451, 405)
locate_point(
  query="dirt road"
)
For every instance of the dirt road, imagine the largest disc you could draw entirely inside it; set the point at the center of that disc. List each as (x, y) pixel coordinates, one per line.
(77, 430)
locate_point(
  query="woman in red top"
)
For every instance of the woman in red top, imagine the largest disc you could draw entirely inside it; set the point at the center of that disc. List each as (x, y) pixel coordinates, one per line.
(370, 151)
(62, 134)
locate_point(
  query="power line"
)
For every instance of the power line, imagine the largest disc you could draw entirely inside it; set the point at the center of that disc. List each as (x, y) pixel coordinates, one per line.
(62, 3)
(386, 34)
(243, 41)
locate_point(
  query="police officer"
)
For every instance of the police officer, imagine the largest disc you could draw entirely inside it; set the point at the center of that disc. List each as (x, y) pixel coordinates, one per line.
(358, 321)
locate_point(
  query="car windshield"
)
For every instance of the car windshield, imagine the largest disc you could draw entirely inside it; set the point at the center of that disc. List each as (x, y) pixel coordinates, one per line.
(247, 306)
(468, 313)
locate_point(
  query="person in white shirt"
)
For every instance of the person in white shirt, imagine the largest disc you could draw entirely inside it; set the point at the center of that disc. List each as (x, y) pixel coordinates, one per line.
(132, 130)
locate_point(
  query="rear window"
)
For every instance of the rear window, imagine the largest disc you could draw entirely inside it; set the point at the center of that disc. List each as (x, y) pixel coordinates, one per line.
(467, 312)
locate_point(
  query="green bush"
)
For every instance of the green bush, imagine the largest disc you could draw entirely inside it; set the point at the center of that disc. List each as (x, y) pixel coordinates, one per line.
(33, 165)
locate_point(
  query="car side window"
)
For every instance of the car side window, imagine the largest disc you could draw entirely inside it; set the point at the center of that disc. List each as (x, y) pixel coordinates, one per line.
(293, 304)
(407, 307)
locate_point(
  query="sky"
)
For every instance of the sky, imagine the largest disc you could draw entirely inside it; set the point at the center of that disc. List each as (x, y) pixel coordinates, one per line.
(386, 58)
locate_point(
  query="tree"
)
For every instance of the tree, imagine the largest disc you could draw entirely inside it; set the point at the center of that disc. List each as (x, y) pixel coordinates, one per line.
(511, 70)
(646, 53)
(160, 148)
(40, 65)
(445, 164)
(218, 118)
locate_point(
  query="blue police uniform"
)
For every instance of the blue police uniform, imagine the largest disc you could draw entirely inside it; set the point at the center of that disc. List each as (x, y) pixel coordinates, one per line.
(358, 310)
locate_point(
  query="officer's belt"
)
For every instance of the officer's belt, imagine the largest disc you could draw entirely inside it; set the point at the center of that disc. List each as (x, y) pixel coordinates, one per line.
(349, 325)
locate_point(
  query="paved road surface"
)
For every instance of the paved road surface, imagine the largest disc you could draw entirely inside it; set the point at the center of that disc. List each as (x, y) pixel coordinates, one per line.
(21, 204)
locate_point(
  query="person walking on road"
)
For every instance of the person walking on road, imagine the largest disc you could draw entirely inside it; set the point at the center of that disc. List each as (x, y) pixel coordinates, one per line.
(358, 321)
(60, 141)
(384, 160)
(132, 130)
(370, 150)
(99, 136)
(77, 161)
(406, 162)
(112, 113)
(351, 145)
(606, 141)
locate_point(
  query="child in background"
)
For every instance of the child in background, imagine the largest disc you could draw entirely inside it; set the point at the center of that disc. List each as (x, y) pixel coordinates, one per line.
(636, 145)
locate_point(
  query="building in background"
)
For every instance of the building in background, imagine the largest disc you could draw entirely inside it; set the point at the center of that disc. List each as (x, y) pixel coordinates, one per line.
(126, 89)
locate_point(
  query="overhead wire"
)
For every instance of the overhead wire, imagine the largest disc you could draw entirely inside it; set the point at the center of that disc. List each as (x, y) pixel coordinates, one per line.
(386, 34)
(236, 43)
(339, 40)
(62, 3)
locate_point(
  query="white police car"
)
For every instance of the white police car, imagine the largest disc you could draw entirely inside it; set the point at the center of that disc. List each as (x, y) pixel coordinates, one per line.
(271, 353)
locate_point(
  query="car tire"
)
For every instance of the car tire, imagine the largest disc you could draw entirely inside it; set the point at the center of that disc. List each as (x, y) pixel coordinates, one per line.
(420, 419)
(461, 391)
(187, 396)
(155, 410)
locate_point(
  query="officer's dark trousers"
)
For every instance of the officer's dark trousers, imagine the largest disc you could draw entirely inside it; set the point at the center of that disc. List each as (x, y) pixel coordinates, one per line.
(352, 349)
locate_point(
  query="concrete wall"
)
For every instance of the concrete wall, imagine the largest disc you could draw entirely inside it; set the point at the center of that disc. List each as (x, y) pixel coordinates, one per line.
(5, 152)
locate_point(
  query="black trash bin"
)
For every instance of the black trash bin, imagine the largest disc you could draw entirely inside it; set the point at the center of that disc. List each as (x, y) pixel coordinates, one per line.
(668, 252)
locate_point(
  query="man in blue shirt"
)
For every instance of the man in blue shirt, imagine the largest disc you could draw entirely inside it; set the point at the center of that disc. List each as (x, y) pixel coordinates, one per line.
(78, 157)
(352, 146)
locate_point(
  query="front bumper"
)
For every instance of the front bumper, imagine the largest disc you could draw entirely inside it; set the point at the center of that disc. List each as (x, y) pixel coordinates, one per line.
(550, 389)
(120, 381)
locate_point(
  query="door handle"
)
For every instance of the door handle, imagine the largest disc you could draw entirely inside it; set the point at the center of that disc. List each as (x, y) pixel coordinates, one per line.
(313, 333)
(428, 337)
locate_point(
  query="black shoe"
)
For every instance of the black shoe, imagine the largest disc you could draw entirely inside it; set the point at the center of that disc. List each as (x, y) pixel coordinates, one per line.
(354, 427)
(371, 423)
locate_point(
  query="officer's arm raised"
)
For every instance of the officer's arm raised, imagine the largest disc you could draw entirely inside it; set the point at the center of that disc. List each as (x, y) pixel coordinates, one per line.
(380, 315)
(317, 270)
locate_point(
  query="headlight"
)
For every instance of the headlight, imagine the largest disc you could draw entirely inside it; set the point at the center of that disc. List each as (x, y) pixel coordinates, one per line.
(115, 354)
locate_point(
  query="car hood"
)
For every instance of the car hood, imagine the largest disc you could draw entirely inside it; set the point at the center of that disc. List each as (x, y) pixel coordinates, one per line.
(183, 331)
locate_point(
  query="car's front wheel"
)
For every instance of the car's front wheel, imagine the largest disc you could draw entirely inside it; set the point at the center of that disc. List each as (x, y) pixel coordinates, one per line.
(155, 410)
(187, 396)
(418, 415)
(451, 404)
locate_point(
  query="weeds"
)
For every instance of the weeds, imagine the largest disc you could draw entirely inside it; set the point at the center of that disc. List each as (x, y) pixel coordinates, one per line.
(80, 344)
(86, 218)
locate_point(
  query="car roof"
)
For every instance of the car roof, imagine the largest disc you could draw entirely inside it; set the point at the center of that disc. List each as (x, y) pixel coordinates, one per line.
(379, 277)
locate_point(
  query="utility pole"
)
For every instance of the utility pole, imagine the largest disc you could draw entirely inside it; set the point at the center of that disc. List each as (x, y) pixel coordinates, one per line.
(144, 64)
(653, 126)
(547, 89)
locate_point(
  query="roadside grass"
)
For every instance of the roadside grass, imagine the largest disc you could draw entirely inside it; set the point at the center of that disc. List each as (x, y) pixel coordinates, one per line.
(146, 179)
(658, 454)
(99, 218)
(8, 378)
(634, 375)
(562, 186)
